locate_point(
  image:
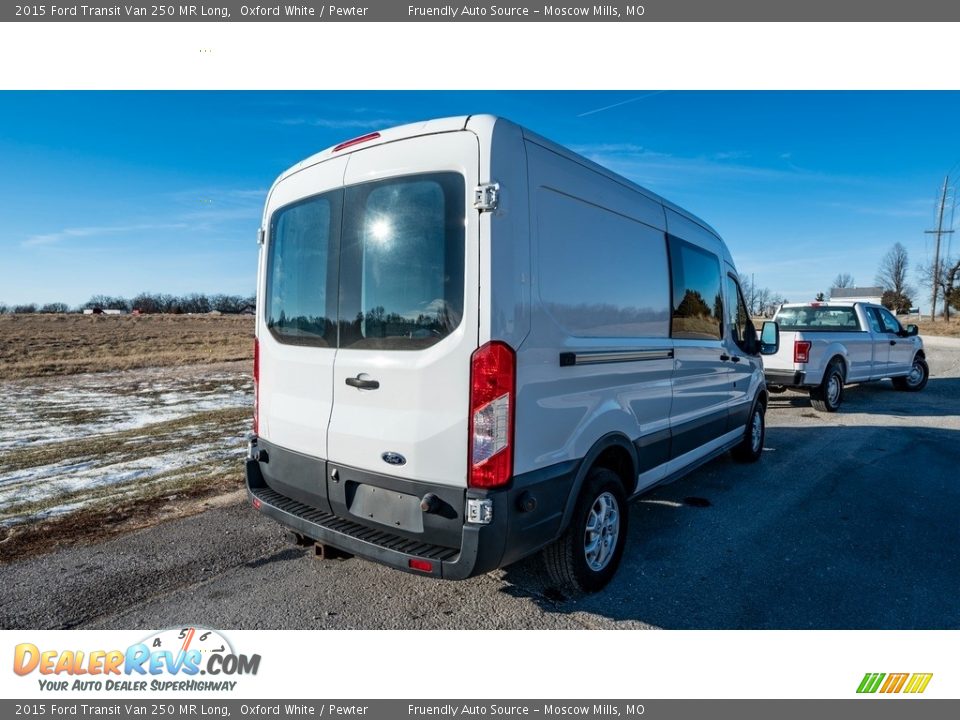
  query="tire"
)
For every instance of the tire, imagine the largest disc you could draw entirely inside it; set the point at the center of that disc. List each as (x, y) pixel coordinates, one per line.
(916, 380)
(751, 447)
(579, 560)
(828, 395)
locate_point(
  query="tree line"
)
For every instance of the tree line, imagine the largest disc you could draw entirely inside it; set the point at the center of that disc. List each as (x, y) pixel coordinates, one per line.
(899, 295)
(146, 303)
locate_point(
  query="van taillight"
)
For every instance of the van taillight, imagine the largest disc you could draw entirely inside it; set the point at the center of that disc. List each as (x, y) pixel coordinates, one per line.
(492, 401)
(256, 386)
(801, 351)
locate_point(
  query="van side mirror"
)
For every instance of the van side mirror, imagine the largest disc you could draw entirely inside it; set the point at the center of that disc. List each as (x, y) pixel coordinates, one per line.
(912, 330)
(769, 338)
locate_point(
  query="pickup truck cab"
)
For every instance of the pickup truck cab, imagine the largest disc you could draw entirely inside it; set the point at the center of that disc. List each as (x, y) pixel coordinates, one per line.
(824, 346)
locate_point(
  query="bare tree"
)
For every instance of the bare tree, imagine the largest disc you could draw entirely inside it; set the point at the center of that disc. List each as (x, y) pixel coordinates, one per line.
(57, 307)
(892, 274)
(843, 280)
(760, 300)
(947, 279)
(892, 277)
(951, 280)
(773, 304)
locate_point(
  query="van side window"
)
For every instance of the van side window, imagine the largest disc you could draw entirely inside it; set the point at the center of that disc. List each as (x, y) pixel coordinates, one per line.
(402, 263)
(299, 308)
(601, 274)
(738, 319)
(697, 301)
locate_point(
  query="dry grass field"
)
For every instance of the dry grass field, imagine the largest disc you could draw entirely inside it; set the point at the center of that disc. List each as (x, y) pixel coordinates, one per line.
(44, 345)
(112, 423)
(941, 327)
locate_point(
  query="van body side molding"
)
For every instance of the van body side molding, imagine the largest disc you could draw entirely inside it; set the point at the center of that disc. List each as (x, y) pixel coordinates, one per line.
(598, 358)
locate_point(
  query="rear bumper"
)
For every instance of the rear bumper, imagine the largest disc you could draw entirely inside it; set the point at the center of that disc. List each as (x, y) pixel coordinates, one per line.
(515, 531)
(787, 378)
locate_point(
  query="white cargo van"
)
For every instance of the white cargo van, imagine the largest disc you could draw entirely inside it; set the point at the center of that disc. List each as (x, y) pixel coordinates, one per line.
(473, 344)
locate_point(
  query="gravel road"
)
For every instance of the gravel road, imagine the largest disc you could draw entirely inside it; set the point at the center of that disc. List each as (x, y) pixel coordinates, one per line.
(849, 521)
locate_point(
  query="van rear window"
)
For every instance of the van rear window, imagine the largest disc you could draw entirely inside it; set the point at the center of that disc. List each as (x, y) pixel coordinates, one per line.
(402, 262)
(373, 266)
(823, 318)
(298, 307)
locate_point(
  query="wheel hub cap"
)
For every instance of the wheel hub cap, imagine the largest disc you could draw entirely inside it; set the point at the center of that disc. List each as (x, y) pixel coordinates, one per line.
(916, 374)
(602, 531)
(756, 431)
(833, 390)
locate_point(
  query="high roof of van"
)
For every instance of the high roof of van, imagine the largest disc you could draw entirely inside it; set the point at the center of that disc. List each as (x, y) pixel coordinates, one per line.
(482, 125)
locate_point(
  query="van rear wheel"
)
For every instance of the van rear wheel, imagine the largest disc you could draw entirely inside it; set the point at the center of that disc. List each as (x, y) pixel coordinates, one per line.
(587, 555)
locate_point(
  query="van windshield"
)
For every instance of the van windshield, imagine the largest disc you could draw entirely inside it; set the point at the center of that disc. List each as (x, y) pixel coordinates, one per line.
(373, 266)
(819, 318)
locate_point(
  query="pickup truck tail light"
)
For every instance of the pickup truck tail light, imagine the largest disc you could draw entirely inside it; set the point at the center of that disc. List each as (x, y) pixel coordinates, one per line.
(492, 399)
(801, 351)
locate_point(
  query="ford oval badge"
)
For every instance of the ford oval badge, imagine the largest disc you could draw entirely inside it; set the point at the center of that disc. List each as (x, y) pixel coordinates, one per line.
(392, 458)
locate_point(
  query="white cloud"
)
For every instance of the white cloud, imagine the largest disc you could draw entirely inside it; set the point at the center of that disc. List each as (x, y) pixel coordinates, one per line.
(95, 231)
(342, 123)
(621, 103)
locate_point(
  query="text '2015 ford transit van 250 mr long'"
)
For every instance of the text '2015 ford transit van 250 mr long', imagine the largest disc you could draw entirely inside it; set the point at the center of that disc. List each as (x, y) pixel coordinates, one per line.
(473, 344)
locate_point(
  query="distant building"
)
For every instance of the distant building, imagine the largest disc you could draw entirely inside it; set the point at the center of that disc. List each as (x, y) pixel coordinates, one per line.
(855, 294)
(103, 311)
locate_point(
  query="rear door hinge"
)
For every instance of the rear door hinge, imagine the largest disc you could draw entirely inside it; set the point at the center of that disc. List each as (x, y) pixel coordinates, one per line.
(260, 236)
(486, 197)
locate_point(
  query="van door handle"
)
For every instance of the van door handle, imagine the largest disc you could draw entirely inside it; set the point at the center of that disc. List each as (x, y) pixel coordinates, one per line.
(724, 357)
(893, 342)
(735, 358)
(359, 382)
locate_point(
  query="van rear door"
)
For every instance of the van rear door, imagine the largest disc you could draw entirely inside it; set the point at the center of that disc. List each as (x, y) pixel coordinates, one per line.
(408, 310)
(297, 334)
(298, 343)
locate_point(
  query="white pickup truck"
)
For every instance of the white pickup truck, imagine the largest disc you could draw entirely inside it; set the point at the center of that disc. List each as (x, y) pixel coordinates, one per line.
(824, 346)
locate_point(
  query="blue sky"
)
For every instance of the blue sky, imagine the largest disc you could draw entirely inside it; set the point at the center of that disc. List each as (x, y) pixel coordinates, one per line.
(123, 192)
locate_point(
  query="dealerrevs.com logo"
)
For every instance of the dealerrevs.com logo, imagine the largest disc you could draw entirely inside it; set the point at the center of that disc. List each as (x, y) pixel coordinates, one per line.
(912, 683)
(181, 653)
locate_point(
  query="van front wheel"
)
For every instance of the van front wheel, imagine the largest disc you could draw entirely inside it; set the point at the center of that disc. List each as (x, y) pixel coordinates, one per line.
(751, 447)
(586, 556)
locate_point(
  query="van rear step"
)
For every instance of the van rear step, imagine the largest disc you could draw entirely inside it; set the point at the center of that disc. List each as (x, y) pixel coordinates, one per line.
(315, 522)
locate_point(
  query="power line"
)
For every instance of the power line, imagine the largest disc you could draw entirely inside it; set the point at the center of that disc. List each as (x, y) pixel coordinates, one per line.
(936, 255)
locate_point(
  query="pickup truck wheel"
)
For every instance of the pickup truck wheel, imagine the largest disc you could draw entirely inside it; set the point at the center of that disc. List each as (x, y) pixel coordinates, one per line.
(828, 395)
(916, 380)
(586, 556)
(751, 447)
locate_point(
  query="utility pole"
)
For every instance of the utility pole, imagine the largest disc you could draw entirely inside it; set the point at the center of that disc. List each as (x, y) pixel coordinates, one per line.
(936, 255)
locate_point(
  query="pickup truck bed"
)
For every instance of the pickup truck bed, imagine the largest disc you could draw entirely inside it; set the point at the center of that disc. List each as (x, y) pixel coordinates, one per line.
(825, 346)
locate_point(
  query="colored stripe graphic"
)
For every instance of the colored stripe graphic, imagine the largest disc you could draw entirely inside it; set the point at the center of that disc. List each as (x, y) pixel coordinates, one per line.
(918, 683)
(870, 682)
(894, 683)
